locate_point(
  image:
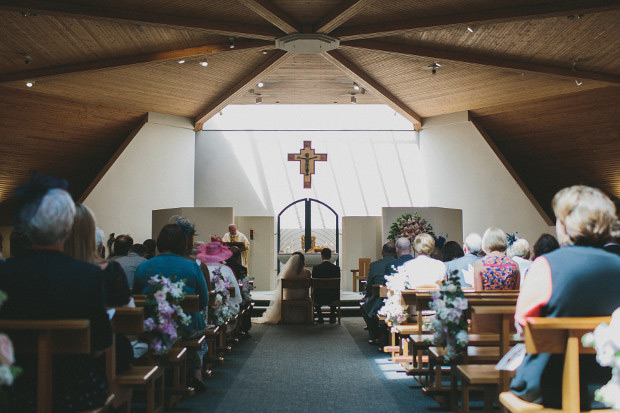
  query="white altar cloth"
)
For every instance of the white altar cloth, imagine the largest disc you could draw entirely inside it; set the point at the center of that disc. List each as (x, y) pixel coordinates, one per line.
(312, 259)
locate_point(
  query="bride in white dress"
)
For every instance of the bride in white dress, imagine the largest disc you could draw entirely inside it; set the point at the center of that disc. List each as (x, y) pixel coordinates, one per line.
(293, 269)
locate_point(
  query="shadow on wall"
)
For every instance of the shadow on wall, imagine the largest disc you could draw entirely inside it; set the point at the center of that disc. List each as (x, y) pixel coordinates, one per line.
(221, 179)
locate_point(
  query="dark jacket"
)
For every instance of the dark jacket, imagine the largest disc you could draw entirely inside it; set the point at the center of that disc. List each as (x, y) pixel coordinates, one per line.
(325, 270)
(376, 273)
(392, 266)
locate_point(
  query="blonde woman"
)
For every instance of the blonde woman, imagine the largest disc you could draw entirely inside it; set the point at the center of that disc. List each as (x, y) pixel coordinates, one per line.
(495, 271)
(82, 245)
(580, 279)
(423, 270)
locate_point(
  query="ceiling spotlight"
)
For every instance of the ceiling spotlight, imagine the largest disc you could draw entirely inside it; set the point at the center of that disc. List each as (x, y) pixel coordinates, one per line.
(433, 67)
(204, 64)
(30, 83)
(232, 42)
(259, 99)
(356, 86)
(470, 30)
(181, 62)
(264, 51)
(260, 84)
(578, 83)
(353, 100)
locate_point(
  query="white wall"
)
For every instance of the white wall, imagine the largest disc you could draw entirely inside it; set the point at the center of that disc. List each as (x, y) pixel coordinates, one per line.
(261, 258)
(155, 171)
(361, 238)
(464, 173)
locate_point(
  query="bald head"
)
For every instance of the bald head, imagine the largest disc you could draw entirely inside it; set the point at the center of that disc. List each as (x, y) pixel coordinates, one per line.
(403, 246)
(232, 228)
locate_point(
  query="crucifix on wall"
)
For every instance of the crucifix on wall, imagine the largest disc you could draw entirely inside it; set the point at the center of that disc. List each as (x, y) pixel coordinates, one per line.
(306, 157)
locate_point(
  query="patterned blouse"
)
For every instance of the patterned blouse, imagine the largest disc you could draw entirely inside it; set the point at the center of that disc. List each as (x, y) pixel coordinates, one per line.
(498, 273)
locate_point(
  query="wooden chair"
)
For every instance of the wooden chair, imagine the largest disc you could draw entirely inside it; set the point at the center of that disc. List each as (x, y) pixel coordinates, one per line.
(306, 302)
(557, 336)
(361, 273)
(46, 338)
(331, 285)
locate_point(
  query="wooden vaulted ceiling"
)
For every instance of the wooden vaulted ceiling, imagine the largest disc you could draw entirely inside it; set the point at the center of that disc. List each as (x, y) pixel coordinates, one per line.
(540, 78)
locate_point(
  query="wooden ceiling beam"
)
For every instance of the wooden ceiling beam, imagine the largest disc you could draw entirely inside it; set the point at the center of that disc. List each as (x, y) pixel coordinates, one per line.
(116, 62)
(104, 13)
(366, 81)
(273, 14)
(425, 23)
(340, 14)
(277, 59)
(410, 50)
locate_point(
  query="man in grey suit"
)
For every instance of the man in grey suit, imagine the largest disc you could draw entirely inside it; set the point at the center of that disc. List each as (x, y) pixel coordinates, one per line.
(472, 247)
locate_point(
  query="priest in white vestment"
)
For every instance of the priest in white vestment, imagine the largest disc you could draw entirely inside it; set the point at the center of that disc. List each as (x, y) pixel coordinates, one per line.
(236, 236)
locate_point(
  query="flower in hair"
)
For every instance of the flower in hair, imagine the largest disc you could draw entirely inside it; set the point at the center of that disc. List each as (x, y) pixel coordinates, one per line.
(512, 238)
(188, 228)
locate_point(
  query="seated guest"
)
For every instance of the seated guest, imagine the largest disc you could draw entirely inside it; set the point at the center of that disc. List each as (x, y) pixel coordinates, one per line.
(325, 270)
(128, 259)
(170, 264)
(138, 249)
(150, 246)
(403, 252)
(544, 245)
(472, 249)
(376, 275)
(424, 271)
(20, 243)
(46, 284)
(1, 246)
(110, 243)
(577, 280)
(614, 244)
(451, 251)
(519, 252)
(495, 271)
(82, 245)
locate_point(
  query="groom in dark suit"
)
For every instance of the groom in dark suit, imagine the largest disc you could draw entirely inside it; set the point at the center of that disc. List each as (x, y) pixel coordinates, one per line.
(325, 270)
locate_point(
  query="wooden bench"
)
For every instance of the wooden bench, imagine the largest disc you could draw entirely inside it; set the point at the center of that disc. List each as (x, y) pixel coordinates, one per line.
(150, 378)
(557, 336)
(46, 338)
(296, 284)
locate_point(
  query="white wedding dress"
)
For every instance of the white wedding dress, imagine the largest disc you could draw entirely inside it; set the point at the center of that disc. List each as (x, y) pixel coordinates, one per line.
(273, 314)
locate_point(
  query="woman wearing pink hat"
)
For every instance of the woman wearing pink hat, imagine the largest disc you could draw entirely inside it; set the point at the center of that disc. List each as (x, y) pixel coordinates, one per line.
(213, 254)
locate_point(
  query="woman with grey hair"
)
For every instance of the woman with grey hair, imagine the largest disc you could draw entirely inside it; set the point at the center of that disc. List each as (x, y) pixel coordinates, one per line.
(580, 279)
(46, 284)
(519, 252)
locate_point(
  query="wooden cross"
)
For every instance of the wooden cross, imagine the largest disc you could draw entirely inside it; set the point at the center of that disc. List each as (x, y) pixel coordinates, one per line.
(306, 158)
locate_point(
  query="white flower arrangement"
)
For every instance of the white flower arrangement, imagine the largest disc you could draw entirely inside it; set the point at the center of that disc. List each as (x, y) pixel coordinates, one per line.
(246, 287)
(8, 372)
(606, 340)
(223, 309)
(393, 310)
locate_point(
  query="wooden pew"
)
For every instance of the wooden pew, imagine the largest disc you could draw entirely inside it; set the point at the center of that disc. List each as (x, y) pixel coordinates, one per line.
(130, 321)
(46, 338)
(486, 376)
(557, 336)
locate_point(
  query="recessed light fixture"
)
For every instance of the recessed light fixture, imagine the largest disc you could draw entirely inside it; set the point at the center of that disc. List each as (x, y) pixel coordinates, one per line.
(204, 64)
(181, 62)
(470, 30)
(260, 84)
(353, 100)
(232, 42)
(30, 83)
(356, 86)
(264, 51)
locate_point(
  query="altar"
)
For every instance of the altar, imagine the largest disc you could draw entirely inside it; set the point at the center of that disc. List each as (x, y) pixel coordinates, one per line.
(312, 258)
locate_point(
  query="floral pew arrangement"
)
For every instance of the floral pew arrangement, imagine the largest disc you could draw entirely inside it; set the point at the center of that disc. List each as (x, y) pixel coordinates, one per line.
(222, 309)
(164, 318)
(606, 341)
(8, 372)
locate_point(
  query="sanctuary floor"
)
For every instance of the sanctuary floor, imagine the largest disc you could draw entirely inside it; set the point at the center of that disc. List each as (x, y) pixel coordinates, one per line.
(302, 368)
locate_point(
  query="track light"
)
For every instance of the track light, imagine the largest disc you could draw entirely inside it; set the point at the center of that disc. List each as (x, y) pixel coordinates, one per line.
(204, 64)
(356, 86)
(259, 99)
(30, 83)
(232, 42)
(353, 100)
(260, 84)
